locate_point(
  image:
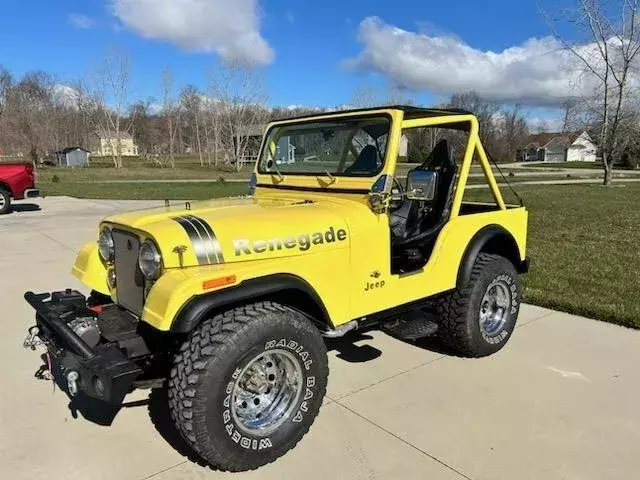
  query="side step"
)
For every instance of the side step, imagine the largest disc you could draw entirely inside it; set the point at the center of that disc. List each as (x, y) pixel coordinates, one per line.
(411, 326)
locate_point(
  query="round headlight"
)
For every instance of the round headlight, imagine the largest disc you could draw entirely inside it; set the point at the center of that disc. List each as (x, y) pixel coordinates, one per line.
(105, 245)
(149, 260)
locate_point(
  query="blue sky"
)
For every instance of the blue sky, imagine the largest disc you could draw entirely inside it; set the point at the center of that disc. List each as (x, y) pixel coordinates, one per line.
(313, 53)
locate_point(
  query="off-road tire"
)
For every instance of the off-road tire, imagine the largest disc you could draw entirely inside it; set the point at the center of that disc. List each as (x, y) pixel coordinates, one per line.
(5, 201)
(207, 366)
(459, 309)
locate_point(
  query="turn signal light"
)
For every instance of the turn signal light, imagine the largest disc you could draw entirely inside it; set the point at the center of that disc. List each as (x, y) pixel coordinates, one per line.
(218, 282)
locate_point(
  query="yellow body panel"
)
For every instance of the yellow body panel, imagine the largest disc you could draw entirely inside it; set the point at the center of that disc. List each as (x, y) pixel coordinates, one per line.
(90, 270)
(278, 231)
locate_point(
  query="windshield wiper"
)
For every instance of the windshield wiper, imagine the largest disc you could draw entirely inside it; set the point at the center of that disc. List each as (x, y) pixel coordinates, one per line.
(326, 170)
(275, 165)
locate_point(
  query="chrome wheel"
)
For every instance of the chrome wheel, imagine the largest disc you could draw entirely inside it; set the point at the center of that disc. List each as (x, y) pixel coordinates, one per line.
(494, 308)
(266, 392)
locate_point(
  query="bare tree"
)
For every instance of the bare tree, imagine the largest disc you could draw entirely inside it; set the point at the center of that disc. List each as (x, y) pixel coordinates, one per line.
(103, 100)
(191, 100)
(570, 115)
(613, 32)
(542, 126)
(240, 97)
(365, 96)
(30, 106)
(211, 127)
(171, 113)
(5, 86)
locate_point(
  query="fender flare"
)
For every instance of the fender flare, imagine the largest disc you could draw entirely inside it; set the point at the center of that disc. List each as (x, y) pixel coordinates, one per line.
(490, 239)
(199, 307)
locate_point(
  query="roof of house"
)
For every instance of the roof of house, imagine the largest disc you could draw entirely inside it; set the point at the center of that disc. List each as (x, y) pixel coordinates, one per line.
(540, 140)
(71, 149)
(107, 134)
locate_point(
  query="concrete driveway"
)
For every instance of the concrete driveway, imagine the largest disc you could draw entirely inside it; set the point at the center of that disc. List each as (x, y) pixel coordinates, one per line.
(559, 402)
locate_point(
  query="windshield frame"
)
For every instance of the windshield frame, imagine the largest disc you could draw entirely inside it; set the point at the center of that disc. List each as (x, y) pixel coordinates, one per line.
(329, 118)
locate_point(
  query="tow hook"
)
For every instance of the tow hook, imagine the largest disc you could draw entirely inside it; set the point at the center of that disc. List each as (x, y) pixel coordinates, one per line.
(32, 340)
(72, 382)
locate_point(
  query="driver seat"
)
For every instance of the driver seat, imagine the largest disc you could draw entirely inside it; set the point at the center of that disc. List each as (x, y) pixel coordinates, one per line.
(414, 224)
(367, 161)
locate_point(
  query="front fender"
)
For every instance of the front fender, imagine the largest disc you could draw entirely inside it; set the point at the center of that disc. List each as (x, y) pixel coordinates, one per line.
(178, 301)
(89, 269)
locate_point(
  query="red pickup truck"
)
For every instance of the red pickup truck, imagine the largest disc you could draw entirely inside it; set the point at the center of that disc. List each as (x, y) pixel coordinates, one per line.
(17, 181)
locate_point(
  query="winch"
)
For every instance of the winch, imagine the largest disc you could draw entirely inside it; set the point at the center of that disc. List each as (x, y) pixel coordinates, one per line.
(87, 329)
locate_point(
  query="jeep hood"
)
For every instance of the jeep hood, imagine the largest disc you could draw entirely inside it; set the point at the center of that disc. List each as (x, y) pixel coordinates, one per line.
(242, 229)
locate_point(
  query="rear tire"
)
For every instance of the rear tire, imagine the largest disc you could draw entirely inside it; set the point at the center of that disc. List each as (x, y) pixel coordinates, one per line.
(247, 385)
(5, 201)
(478, 319)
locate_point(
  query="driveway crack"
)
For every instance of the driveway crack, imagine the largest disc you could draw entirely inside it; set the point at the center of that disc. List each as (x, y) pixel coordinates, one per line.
(409, 444)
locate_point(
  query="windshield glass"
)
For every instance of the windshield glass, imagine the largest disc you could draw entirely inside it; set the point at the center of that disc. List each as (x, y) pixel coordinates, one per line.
(353, 147)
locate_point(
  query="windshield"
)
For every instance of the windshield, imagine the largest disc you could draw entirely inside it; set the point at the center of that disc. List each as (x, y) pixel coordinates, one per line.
(353, 147)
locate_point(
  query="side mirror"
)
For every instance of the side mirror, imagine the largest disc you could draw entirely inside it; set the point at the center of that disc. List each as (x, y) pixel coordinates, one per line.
(421, 185)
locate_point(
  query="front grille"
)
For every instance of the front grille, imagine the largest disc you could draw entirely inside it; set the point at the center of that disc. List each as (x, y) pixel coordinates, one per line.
(129, 278)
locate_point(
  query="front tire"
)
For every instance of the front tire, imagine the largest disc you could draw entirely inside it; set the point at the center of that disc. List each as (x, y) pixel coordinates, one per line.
(247, 385)
(5, 201)
(478, 319)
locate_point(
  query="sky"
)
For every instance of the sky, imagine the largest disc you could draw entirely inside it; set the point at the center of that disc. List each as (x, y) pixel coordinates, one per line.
(312, 53)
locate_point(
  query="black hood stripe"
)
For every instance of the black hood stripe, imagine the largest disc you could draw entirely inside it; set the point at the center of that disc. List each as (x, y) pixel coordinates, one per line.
(215, 245)
(196, 240)
(207, 243)
(203, 239)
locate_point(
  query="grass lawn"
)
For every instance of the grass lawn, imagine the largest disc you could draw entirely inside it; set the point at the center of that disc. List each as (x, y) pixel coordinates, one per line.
(592, 165)
(596, 165)
(523, 177)
(144, 191)
(583, 243)
(92, 174)
(143, 170)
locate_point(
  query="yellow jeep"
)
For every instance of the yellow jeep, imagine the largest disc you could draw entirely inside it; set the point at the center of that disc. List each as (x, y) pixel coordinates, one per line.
(225, 303)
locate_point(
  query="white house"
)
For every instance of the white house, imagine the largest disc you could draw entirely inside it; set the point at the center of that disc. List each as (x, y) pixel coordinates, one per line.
(559, 147)
(107, 143)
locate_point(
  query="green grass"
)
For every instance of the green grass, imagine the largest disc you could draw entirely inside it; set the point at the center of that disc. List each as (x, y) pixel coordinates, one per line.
(90, 174)
(593, 165)
(583, 242)
(180, 161)
(144, 191)
(527, 178)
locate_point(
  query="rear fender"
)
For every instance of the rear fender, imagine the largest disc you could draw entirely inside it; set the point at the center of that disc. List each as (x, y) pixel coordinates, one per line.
(490, 239)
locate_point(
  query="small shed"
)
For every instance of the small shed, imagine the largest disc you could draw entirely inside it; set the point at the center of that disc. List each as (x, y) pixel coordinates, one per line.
(73, 157)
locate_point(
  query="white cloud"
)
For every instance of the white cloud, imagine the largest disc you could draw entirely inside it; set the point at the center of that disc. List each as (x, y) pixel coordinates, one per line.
(228, 27)
(553, 124)
(65, 95)
(538, 72)
(79, 20)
